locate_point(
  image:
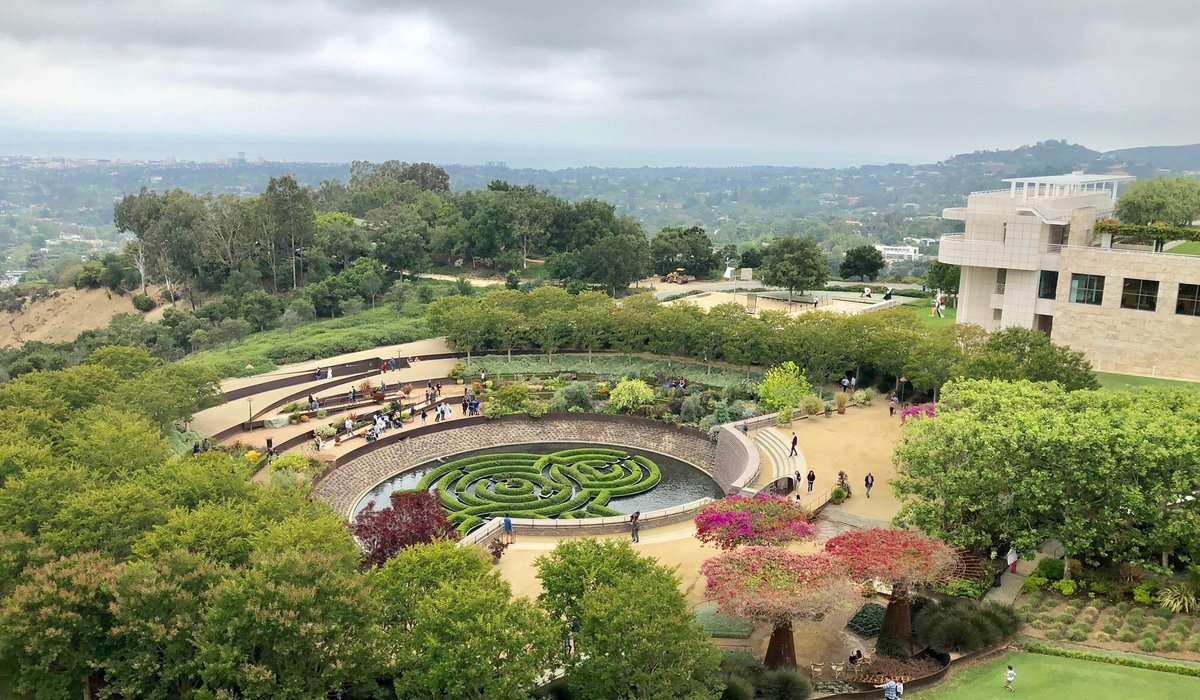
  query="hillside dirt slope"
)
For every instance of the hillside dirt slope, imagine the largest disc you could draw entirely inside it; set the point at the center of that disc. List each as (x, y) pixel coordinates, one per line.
(65, 315)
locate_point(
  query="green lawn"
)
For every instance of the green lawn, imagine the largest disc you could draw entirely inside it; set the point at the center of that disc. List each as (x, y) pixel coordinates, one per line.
(1041, 676)
(1129, 382)
(261, 352)
(1189, 248)
(921, 307)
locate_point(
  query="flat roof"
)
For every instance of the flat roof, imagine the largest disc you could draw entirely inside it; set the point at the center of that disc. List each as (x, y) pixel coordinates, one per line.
(1072, 179)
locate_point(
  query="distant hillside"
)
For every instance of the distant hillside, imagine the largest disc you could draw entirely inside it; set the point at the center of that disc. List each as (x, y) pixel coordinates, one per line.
(1043, 155)
(1166, 157)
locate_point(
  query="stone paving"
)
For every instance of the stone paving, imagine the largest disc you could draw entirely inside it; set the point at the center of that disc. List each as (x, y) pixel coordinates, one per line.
(342, 488)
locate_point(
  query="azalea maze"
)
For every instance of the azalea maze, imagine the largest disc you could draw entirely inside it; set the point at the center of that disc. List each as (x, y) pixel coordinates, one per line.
(576, 483)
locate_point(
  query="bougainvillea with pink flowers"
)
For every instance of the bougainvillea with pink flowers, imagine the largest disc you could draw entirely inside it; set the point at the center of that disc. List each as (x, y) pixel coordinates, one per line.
(900, 558)
(738, 521)
(775, 585)
(921, 410)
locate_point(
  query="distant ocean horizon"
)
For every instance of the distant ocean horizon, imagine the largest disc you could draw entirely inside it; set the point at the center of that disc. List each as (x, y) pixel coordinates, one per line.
(212, 147)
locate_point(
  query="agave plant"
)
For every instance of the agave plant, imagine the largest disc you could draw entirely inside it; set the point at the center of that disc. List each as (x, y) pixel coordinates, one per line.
(1181, 598)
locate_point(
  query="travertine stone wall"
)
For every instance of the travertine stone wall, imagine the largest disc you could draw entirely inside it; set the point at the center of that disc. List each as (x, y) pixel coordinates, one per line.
(1158, 343)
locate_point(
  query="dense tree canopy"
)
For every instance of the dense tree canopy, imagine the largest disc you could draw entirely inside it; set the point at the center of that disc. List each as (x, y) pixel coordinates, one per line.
(796, 264)
(1108, 474)
(864, 262)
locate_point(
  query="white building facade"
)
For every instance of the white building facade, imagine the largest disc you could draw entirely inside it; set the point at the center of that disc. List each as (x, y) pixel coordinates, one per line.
(1030, 257)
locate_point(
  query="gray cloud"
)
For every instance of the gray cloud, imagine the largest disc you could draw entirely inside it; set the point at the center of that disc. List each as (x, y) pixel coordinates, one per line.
(724, 80)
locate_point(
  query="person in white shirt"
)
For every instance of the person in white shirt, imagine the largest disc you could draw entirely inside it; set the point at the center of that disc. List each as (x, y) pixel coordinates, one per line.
(1009, 677)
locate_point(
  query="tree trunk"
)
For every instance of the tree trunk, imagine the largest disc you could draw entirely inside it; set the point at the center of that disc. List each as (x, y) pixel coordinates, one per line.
(1066, 566)
(781, 650)
(895, 639)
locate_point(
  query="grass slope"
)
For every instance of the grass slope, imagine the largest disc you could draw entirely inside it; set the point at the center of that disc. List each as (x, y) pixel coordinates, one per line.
(1060, 678)
(921, 307)
(1129, 382)
(262, 352)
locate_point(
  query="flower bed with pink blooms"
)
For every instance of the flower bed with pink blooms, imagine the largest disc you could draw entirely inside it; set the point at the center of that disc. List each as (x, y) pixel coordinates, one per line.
(762, 520)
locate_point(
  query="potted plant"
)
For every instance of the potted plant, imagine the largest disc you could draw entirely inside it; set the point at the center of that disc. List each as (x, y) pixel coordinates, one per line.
(497, 548)
(406, 389)
(365, 389)
(303, 418)
(837, 495)
(841, 400)
(828, 409)
(322, 413)
(379, 396)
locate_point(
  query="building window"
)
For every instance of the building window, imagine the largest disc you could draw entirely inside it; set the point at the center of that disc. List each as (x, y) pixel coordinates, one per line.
(1139, 295)
(1048, 284)
(997, 314)
(1189, 300)
(1087, 289)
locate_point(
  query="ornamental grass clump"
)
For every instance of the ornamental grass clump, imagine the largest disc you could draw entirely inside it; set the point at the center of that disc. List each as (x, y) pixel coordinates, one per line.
(740, 521)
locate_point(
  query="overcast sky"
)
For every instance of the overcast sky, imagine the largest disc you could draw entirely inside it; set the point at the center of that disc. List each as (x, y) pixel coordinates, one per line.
(600, 82)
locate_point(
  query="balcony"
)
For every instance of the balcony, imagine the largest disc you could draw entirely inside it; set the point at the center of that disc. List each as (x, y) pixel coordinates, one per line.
(955, 249)
(955, 213)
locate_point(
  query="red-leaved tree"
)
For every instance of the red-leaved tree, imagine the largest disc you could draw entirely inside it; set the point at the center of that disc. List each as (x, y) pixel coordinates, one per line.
(775, 586)
(415, 517)
(900, 558)
(738, 521)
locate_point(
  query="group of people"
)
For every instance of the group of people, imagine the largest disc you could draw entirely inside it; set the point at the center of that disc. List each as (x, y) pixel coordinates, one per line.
(849, 384)
(868, 292)
(843, 479)
(203, 446)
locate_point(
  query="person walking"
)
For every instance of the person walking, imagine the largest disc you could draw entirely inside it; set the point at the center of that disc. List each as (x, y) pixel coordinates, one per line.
(1009, 676)
(508, 532)
(424, 415)
(812, 479)
(890, 689)
(892, 406)
(794, 441)
(634, 525)
(1012, 558)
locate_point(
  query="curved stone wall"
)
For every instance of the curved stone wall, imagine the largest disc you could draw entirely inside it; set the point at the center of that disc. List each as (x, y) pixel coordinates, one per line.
(359, 472)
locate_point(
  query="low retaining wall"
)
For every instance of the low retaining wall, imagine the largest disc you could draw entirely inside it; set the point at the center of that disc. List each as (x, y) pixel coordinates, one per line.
(357, 472)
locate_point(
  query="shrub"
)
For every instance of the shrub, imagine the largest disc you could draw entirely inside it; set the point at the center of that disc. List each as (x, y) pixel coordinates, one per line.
(784, 685)
(860, 397)
(1033, 583)
(1110, 628)
(291, 461)
(630, 394)
(1144, 592)
(577, 395)
(737, 689)
(840, 400)
(1127, 635)
(965, 626)
(692, 409)
(868, 621)
(837, 495)
(1172, 644)
(1148, 643)
(143, 303)
(1176, 599)
(1067, 587)
(784, 416)
(812, 405)
(1078, 633)
(1049, 569)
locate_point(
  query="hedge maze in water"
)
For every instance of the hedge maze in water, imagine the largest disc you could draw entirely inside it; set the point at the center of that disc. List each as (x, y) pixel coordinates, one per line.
(576, 483)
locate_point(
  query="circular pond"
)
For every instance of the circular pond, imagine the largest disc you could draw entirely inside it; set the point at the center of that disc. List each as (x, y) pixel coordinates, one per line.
(550, 480)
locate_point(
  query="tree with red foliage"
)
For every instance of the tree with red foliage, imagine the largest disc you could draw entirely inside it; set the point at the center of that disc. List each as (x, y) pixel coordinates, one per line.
(415, 517)
(775, 586)
(901, 558)
(737, 521)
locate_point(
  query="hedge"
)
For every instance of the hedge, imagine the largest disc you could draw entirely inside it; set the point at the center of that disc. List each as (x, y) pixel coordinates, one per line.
(1047, 650)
